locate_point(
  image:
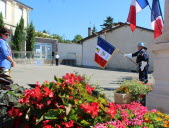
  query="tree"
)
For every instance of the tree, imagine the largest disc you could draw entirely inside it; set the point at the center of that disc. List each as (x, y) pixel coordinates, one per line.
(19, 35)
(44, 31)
(108, 23)
(94, 29)
(30, 38)
(77, 38)
(1, 20)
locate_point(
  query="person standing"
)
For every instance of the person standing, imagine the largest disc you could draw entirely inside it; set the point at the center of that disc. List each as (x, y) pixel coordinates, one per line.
(57, 59)
(142, 60)
(6, 60)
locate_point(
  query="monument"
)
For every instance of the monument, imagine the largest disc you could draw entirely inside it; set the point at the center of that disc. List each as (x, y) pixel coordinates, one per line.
(159, 97)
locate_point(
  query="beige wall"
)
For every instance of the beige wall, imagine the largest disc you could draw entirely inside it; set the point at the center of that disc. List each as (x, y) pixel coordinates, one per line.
(70, 51)
(123, 39)
(11, 19)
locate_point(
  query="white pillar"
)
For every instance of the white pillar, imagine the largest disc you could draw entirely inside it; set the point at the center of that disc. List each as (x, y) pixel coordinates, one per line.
(159, 97)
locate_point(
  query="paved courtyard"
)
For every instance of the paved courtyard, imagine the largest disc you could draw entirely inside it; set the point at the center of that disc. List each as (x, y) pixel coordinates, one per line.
(24, 74)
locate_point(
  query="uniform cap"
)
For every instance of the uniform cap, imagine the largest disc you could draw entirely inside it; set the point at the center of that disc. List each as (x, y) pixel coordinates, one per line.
(141, 44)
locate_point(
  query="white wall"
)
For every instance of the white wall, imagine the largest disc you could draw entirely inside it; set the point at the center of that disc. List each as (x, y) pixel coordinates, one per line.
(123, 39)
(70, 51)
(11, 18)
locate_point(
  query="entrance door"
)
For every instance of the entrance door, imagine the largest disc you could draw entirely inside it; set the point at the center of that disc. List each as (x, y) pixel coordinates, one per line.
(43, 50)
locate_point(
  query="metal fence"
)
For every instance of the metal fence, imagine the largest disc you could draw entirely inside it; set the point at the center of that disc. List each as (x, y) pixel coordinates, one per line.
(23, 55)
(65, 58)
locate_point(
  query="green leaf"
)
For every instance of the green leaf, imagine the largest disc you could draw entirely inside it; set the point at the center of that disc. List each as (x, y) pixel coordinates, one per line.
(53, 113)
(84, 122)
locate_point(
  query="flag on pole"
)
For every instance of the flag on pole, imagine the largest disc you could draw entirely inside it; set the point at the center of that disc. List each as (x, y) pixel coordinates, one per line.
(135, 7)
(156, 18)
(104, 51)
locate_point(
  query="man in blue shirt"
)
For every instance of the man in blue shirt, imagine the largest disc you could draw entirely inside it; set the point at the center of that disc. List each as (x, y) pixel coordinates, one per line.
(6, 60)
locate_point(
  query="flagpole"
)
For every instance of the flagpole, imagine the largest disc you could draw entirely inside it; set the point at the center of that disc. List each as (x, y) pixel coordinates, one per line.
(121, 53)
(154, 17)
(127, 57)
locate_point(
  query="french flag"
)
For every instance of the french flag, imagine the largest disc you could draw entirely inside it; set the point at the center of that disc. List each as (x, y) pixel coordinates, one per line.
(156, 19)
(135, 7)
(103, 53)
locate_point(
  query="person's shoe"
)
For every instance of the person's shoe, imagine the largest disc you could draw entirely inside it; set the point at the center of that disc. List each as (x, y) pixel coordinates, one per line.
(146, 81)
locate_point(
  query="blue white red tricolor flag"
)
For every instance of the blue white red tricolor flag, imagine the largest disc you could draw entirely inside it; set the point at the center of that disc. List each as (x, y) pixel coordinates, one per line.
(135, 7)
(156, 18)
(104, 51)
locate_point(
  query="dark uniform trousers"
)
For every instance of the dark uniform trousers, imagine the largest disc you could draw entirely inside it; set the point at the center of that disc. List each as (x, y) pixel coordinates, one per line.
(143, 75)
(142, 55)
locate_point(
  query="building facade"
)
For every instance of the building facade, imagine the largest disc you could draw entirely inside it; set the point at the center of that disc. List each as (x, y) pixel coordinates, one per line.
(124, 40)
(12, 11)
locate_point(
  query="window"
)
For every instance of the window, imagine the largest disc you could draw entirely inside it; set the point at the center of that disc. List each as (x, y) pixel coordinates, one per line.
(19, 14)
(43, 50)
(3, 8)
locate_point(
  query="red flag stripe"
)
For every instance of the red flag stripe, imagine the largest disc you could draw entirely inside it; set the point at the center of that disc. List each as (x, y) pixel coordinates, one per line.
(158, 28)
(100, 61)
(132, 17)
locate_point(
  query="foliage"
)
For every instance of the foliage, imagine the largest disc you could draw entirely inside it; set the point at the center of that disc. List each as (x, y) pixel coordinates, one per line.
(9, 96)
(54, 36)
(94, 29)
(134, 87)
(1, 20)
(19, 34)
(77, 38)
(68, 102)
(108, 23)
(30, 38)
(135, 115)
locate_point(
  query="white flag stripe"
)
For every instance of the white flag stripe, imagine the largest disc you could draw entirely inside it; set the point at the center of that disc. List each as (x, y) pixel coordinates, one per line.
(102, 53)
(153, 23)
(138, 8)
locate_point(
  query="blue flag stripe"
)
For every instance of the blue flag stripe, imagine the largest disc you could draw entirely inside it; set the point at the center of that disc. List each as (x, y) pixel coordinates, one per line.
(156, 11)
(105, 45)
(142, 3)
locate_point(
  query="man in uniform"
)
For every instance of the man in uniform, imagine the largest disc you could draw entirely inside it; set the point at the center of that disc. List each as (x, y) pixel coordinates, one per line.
(142, 60)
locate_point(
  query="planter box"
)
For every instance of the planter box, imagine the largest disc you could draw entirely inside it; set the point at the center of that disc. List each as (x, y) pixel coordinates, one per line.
(122, 98)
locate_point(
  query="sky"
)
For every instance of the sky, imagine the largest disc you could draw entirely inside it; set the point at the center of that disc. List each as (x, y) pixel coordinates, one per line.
(68, 18)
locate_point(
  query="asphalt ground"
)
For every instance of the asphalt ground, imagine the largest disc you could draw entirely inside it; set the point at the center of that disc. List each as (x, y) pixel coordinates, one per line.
(24, 74)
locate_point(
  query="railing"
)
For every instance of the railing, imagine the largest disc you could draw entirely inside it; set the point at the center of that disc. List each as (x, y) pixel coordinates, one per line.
(23, 55)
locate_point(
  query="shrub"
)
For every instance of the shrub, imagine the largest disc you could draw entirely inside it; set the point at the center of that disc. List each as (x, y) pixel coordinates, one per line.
(67, 103)
(135, 88)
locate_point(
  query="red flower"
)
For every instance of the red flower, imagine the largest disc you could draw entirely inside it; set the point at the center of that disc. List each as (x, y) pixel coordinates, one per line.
(27, 126)
(48, 92)
(58, 126)
(89, 88)
(48, 126)
(142, 96)
(14, 112)
(48, 102)
(68, 124)
(111, 110)
(70, 97)
(39, 106)
(91, 108)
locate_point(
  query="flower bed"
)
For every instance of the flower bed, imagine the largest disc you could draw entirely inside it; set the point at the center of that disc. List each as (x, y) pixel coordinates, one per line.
(136, 88)
(135, 115)
(69, 103)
